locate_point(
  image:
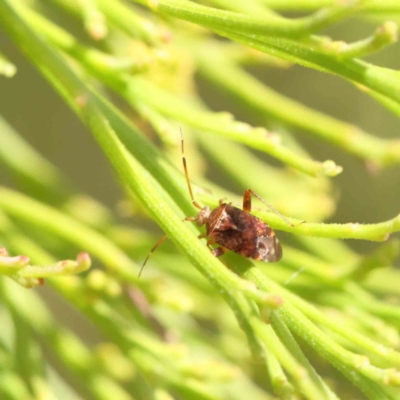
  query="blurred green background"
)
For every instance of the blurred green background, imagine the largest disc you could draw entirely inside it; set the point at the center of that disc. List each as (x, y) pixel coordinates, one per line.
(365, 195)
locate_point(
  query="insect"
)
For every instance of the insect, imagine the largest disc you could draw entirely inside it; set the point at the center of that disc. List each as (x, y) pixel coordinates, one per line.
(233, 228)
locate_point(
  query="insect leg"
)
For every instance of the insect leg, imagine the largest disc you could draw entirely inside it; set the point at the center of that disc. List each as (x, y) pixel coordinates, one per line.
(210, 242)
(151, 252)
(219, 251)
(247, 204)
(247, 200)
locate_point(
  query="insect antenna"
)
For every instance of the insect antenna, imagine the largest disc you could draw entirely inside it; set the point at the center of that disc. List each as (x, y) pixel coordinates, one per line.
(294, 276)
(151, 252)
(195, 203)
(273, 209)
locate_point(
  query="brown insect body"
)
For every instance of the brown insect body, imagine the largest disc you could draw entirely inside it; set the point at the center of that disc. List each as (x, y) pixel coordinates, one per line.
(240, 232)
(233, 228)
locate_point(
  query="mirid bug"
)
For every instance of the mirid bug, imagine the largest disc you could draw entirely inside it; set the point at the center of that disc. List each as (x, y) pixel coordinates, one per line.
(233, 228)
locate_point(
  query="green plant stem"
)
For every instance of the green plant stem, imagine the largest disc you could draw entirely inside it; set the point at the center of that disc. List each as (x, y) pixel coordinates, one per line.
(13, 386)
(348, 363)
(252, 92)
(371, 6)
(335, 354)
(7, 68)
(162, 191)
(389, 355)
(105, 121)
(138, 91)
(371, 232)
(274, 25)
(250, 7)
(282, 387)
(71, 351)
(369, 303)
(75, 93)
(384, 81)
(29, 360)
(375, 232)
(56, 222)
(305, 378)
(370, 389)
(341, 134)
(75, 232)
(94, 20)
(384, 35)
(119, 14)
(245, 312)
(358, 319)
(257, 138)
(131, 22)
(281, 183)
(139, 347)
(244, 56)
(68, 347)
(238, 303)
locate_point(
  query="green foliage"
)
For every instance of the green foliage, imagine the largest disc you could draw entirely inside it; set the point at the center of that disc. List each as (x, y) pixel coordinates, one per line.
(180, 331)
